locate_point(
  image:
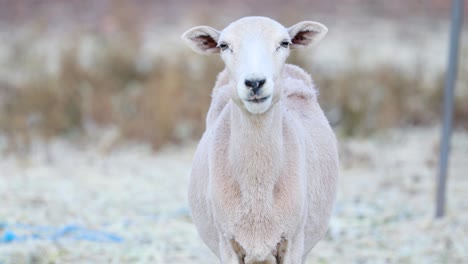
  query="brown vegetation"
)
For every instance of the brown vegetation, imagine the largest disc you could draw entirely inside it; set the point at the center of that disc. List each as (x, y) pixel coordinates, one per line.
(167, 102)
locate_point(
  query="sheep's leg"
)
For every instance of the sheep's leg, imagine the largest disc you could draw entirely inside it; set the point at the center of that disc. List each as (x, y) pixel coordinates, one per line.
(281, 248)
(231, 252)
(290, 252)
(240, 252)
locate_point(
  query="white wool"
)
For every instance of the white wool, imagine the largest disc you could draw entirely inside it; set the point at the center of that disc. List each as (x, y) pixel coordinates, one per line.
(263, 183)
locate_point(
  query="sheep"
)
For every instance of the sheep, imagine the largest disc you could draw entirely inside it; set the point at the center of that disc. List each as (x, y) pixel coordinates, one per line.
(263, 179)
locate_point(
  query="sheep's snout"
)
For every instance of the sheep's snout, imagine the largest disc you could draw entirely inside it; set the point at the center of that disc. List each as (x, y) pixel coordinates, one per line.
(255, 93)
(255, 85)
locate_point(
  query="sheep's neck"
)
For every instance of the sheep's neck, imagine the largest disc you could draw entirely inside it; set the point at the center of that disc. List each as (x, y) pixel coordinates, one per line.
(256, 145)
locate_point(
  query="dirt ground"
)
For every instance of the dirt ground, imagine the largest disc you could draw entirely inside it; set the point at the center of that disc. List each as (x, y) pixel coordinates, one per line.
(70, 203)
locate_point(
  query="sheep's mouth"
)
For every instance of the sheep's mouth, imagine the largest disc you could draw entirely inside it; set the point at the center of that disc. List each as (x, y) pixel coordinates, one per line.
(258, 100)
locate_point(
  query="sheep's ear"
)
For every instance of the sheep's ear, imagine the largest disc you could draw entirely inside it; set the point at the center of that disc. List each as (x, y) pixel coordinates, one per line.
(202, 39)
(306, 33)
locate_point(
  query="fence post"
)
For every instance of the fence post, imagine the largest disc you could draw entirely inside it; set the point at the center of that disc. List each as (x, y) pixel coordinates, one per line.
(451, 77)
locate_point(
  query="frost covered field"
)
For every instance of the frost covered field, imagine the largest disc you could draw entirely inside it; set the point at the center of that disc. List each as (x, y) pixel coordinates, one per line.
(82, 204)
(103, 199)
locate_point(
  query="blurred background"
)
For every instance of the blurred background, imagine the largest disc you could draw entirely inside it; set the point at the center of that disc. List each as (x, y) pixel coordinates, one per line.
(102, 105)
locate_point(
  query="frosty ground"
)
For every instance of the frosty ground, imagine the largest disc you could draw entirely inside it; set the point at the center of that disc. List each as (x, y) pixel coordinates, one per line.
(384, 212)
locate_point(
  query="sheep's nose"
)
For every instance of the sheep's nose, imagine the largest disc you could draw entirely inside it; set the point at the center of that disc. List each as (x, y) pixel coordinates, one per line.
(255, 85)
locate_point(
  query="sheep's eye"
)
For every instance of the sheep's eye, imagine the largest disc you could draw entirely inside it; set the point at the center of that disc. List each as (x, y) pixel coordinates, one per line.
(285, 44)
(223, 46)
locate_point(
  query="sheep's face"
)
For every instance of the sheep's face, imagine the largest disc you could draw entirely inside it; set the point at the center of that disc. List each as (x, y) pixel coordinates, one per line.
(254, 50)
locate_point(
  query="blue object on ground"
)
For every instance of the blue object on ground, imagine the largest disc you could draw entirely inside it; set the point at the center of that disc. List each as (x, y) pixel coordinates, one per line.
(8, 237)
(19, 232)
(79, 233)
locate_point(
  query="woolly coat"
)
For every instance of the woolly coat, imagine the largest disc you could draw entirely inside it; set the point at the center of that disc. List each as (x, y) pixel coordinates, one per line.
(261, 179)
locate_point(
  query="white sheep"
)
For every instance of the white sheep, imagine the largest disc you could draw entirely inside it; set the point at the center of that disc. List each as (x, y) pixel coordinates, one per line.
(263, 180)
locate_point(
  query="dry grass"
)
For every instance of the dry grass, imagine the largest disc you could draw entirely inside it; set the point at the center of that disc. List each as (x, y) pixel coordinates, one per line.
(167, 101)
(360, 100)
(163, 103)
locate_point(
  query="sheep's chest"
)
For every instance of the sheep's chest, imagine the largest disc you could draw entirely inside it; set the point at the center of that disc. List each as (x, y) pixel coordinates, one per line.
(257, 195)
(257, 217)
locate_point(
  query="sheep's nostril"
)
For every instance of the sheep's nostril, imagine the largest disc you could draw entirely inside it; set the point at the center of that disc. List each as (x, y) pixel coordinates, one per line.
(255, 85)
(261, 83)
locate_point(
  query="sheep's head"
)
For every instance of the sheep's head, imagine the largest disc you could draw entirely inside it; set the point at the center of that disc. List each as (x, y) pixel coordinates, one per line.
(254, 50)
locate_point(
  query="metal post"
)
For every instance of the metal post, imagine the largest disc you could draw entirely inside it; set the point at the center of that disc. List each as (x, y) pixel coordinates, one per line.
(457, 19)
